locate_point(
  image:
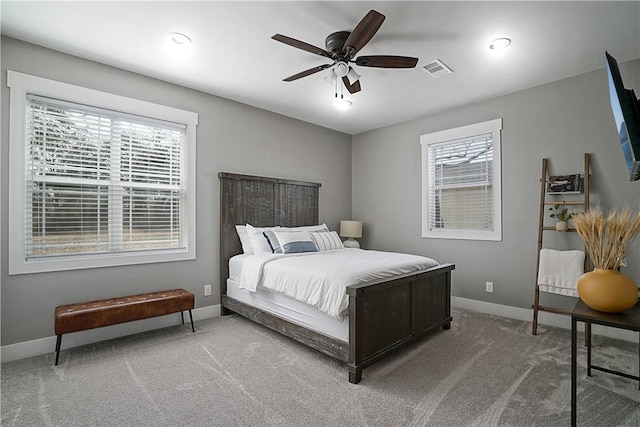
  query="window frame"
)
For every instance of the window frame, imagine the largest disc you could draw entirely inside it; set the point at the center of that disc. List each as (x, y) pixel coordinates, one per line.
(494, 127)
(22, 84)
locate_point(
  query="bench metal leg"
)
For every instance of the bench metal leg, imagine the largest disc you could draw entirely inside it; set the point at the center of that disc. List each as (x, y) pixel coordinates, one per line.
(58, 342)
(190, 317)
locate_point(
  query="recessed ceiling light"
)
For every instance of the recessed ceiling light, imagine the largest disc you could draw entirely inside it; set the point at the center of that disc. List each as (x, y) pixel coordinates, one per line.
(180, 39)
(501, 43)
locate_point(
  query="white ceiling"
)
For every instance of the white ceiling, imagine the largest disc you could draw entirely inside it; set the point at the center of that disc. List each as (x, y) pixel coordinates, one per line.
(233, 56)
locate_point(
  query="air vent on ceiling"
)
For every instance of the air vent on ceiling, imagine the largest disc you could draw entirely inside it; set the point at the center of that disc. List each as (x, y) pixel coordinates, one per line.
(436, 68)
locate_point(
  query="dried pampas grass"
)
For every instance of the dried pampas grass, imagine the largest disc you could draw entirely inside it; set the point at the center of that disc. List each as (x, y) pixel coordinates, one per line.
(607, 238)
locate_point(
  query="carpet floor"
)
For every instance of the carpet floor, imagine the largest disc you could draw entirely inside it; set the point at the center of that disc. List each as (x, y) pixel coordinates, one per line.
(485, 371)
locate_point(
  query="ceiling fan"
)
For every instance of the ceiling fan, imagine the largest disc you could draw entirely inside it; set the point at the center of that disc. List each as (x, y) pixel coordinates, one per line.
(342, 46)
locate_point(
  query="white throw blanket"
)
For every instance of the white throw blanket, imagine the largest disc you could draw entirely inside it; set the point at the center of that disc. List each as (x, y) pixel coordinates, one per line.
(559, 271)
(320, 278)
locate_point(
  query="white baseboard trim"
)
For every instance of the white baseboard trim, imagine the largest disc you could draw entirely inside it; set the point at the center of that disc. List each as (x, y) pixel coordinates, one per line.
(46, 345)
(544, 317)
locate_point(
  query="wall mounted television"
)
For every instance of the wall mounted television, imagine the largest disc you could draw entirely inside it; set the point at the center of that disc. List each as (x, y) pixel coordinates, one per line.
(626, 113)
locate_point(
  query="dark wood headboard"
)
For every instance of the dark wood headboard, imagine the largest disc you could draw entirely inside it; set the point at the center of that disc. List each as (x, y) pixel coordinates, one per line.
(261, 202)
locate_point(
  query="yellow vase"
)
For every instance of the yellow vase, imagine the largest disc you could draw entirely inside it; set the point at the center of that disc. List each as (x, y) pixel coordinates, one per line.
(607, 290)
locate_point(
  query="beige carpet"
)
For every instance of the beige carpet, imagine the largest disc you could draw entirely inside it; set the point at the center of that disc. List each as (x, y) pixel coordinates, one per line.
(484, 371)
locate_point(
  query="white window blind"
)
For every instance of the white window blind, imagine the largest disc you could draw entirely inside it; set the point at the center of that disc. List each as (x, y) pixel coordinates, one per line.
(461, 191)
(462, 182)
(98, 181)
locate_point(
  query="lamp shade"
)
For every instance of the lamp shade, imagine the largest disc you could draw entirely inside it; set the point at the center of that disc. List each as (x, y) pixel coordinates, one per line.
(351, 228)
(353, 76)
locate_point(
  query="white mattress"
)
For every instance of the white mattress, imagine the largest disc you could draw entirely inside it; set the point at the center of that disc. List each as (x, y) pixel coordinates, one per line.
(291, 310)
(235, 266)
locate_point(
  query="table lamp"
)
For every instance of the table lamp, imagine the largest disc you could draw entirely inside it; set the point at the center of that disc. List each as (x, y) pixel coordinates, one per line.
(351, 229)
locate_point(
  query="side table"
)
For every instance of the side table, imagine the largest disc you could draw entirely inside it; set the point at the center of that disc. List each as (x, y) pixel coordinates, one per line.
(629, 320)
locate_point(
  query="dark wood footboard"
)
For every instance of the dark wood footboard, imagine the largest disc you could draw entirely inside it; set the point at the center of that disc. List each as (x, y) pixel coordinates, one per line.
(383, 316)
(386, 314)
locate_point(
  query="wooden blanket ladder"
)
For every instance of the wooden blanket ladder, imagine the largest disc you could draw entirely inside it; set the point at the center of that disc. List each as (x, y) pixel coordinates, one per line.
(577, 198)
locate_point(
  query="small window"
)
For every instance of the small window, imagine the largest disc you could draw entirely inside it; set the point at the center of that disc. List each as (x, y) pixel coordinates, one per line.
(461, 195)
(97, 185)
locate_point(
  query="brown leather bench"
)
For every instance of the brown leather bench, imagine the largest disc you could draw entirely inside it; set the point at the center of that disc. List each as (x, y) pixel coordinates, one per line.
(106, 312)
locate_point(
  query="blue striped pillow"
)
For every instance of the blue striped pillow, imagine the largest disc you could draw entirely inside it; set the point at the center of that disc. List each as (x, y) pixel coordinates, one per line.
(273, 242)
(327, 240)
(295, 242)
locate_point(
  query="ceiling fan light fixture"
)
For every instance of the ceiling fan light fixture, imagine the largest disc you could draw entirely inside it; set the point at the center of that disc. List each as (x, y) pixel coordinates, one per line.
(499, 44)
(353, 76)
(330, 78)
(341, 69)
(342, 104)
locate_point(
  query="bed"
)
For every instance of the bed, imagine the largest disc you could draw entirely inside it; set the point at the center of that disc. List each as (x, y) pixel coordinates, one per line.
(382, 315)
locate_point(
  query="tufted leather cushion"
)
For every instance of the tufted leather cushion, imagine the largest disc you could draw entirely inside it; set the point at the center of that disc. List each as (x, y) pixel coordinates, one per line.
(95, 314)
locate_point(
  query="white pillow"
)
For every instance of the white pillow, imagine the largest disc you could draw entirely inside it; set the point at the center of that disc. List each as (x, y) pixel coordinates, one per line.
(259, 243)
(295, 242)
(247, 248)
(321, 227)
(326, 240)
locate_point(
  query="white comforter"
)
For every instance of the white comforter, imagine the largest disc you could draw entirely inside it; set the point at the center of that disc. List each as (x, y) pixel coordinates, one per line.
(320, 278)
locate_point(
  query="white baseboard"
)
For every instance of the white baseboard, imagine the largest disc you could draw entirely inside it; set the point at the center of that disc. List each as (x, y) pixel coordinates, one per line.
(41, 346)
(46, 345)
(544, 317)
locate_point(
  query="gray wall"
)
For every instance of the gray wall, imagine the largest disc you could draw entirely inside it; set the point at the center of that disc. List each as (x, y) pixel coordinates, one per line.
(560, 120)
(232, 137)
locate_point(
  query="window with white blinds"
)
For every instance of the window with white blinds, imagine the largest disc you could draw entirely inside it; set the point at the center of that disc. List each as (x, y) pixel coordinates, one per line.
(461, 182)
(98, 181)
(101, 184)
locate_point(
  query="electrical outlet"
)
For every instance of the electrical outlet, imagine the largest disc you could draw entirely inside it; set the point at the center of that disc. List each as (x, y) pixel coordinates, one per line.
(489, 286)
(207, 290)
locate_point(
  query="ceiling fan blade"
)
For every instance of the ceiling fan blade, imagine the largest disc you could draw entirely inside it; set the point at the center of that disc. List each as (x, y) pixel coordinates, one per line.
(364, 31)
(352, 88)
(308, 72)
(386, 61)
(302, 45)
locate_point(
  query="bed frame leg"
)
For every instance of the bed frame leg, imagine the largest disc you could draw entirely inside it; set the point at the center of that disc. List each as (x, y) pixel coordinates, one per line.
(355, 374)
